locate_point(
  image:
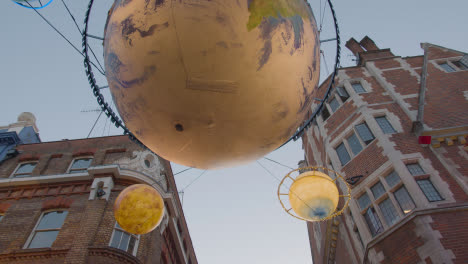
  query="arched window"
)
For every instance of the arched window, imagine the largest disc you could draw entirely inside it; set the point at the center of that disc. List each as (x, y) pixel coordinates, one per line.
(46, 230)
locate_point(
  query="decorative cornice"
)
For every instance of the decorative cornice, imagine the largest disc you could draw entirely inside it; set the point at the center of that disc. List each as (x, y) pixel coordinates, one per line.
(36, 253)
(113, 253)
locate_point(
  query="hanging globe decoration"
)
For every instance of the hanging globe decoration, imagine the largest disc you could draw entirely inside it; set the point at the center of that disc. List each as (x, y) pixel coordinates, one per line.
(212, 84)
(313, 195)
(139, 209)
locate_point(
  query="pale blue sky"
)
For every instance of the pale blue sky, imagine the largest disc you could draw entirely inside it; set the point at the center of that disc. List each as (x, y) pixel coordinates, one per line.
(233, 214)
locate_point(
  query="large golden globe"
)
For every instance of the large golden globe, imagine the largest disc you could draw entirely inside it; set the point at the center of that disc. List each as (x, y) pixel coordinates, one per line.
(212, 84)
(139, 209)
(313, 196)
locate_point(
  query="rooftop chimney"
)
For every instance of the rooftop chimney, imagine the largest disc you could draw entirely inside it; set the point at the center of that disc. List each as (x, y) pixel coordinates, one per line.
(368, 44)
(366, 50)
(354, 46)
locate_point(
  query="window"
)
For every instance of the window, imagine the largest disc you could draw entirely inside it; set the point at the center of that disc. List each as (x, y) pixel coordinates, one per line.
(377, 190)
(447, 67)
(25, 170)
(47, 229)
(364, 201)
(392, 179)
(1, 217)
(354, 143)
(460, 65)
(342, 93)
(429, 190)
(124, 241)
(343, 154)
(388, 211)
(373, 221)
(358, 88)
(404, 200)
(415, 169)
(385, 125)
(365, 133)
(334, 104)
(325, 113)
(80, 165)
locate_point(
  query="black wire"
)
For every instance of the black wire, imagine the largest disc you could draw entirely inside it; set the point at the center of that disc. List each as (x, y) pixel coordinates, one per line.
(278, 163)
(79, 30)
(182, 171)
(289, 187)
(188, 185)
(60, 33)
(94, 124)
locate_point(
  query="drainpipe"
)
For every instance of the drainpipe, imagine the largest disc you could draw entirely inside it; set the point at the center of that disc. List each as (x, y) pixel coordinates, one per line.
(418, 126)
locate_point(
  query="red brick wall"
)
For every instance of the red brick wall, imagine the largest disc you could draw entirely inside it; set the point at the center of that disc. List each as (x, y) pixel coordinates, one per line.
(453, 227)
(400, 247)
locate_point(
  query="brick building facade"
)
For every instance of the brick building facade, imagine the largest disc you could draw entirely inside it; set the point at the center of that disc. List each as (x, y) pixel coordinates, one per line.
(396, 128)
(56, 204)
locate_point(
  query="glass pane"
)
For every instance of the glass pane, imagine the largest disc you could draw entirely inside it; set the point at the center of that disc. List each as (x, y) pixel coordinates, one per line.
(377, 190)
(131, 245)
(373, 222)
(385, 125)
(364, 201)
(404, 200)
(116, 238)
(26, 168)
(43, 239)
(342, 93)
(334, 104)
(81, 163)
(124, 242)
(1, 217)
(428, 189)
(388, 211)
(325, 113)
(52, 220)
(460, 65)
(415, 169)
(447, 67)
(392, 178)
(343, 154)
(354, 143)
(358, 88)
(365, 133)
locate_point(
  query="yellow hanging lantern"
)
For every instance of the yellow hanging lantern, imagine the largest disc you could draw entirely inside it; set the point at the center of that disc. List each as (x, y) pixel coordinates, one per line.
(139, 209)
(313, 195)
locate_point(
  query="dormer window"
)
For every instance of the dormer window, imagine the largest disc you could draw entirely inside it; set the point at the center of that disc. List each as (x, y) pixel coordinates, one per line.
(342, 93)
(24, 170)
(80, 165)
(447, 67)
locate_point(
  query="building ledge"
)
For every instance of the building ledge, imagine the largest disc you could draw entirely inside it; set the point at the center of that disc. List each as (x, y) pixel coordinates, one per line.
(113, 254)
(34, 253)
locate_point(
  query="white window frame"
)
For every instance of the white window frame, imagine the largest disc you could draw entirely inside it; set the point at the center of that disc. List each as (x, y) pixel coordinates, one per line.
(33, 232)
(391, 125)
(137, 237)
(360, 83)
(14, 174)
(348, 147)
(69, 170)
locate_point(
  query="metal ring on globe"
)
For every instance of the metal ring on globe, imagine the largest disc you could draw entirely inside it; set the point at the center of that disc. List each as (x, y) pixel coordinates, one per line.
(305, 199)
(30, 6)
